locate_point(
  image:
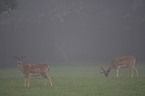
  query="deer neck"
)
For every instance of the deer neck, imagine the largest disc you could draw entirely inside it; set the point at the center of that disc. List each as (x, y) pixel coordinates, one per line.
(20, 67)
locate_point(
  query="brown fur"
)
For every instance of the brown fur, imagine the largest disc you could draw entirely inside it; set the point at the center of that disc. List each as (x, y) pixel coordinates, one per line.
(28, 69)
(125, 61)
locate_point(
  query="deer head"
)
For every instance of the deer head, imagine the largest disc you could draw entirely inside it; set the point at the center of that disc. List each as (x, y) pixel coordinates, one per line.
(106, 73)
(19, 59)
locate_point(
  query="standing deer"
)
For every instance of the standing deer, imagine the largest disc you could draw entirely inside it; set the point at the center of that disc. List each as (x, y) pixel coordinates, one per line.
(33, 69)
(125, 61)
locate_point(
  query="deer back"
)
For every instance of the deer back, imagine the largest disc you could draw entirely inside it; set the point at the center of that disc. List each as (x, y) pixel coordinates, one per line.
(35, 68)
(123, 61)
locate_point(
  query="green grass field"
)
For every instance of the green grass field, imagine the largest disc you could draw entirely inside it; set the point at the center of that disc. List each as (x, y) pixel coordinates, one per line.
(77, 80)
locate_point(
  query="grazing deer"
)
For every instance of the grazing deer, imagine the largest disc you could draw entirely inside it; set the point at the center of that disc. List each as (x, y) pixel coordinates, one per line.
(33, 69)
(125, 61)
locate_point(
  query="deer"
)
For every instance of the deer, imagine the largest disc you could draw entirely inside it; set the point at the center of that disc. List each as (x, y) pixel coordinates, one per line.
(33, 69)
(121, 62)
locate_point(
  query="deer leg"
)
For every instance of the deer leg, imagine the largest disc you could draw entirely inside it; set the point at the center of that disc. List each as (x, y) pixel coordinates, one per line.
(117, 70)
(25, 81)
(28, 79)
(132, 70)
(136, 71)
(48, 77)
(45, 81)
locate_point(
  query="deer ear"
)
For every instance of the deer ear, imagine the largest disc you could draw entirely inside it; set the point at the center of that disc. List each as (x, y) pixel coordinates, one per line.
(22, 57)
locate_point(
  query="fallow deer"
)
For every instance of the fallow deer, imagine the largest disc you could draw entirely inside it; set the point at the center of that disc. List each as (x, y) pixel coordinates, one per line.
(125, 61)
(33, 69)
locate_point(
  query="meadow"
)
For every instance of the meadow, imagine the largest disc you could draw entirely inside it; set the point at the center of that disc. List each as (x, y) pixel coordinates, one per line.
(74, 80)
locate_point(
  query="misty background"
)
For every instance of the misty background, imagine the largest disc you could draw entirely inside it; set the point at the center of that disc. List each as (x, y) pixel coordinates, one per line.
(73, 31)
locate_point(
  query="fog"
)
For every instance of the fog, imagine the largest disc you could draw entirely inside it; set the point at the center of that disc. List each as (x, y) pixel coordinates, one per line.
(73, 31)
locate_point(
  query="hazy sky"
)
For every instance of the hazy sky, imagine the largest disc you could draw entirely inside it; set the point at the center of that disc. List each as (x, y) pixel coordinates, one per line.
(73, 30)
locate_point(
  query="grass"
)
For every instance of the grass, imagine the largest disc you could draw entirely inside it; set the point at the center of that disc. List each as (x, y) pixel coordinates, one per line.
(78, 80)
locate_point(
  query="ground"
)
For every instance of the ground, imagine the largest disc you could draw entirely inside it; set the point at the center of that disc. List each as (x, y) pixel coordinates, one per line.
(74, 80)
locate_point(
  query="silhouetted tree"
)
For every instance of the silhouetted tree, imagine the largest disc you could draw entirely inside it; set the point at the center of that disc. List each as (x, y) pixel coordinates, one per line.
(8, 5)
